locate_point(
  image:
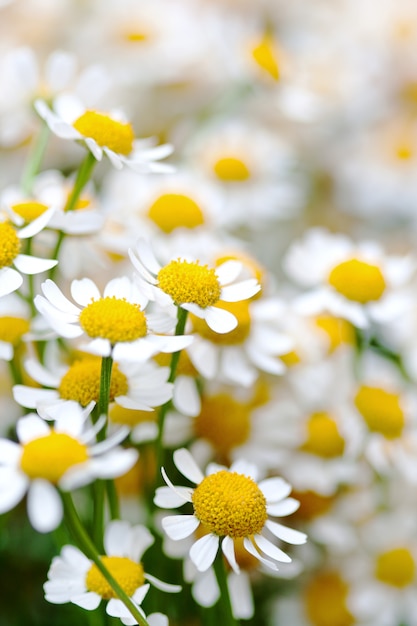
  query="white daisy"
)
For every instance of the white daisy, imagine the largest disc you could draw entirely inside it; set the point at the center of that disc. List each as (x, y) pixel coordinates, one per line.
(230, 505)
(62, 456)
(10, 245)
(74, 578)
(193, 287)
(103, 133)
(114, 323)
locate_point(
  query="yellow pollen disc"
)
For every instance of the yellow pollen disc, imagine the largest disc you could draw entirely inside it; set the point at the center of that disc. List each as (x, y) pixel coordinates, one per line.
(224, 422)
(404, 151)
(81, 382)
(131, 417)
(395, 567)
(323, 437)
(49, 457)
(358, 281)
(265, 57)
(84, 202)
(338, 330)
(107, 132)
(230, 504)
(9, 244)
(29, 210)
(12, 329)
(325, 601)
(312, 504)
(236, 336)
(175, 210)
(184, 367)
(190, 282)
(381, 411)
(231, 170)
(136, 36)
(126, 572)
(114, 319)
(290, 358)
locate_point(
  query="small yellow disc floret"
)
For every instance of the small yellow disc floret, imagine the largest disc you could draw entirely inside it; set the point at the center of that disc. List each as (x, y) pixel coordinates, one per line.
(49, 457)
(325, 599)
(230, 504)
(223, 421)
(190, 282)
(265, 56)
(29, 210)
(9, 244)
(323, 437)
(396, 567)
(106, 131)
(81, 382)
(126, 572)
(381, 411)
(114, 319)
(12, 329)
(358, 281)
(231, 170)
(175, 210)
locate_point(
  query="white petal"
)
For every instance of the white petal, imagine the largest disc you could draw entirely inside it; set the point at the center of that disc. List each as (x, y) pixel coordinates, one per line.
(84, 291)
(228, 548)
(286, 534)
(31, 397)
(147, 257)
(241, 596)
(44, 506)
(186, 398)
(203, 552)
(31, 427)
(13, 487)
(240, 291)
(140, 539)
(157, 619)
(89, 600)
(228, 271)
(37, 225)
(183, 492)
(117, 538)
(94, 148)
(254, 552)
(114, 158)
(10, 452)
(41, 374)
(219, 320)
(166, 498)
(55, 296)
(10, 280)
(236, 368)
(187, 466)
(275, 489)
(6, 351)
(205, 589)
(115, 463)
(281, 509)
(271, 549)
(179, 526)
(33, 265)
(160, 584)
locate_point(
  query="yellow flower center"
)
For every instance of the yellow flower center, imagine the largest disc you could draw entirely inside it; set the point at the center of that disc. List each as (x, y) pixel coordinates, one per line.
(395, 567)
(230, 504)
(236, 336)
(325, 601)
(224, 422)
(404, 151)
(136, 36)
(12, 329)
(231, 169)
(323, 437)
(175, 210)
(127, 573)
(29, 210)
(114, 319)
(81, 382)
(130, 417)
(184, 367)
(190, 282)
(312, 504)
(381, 411)
(265, 57)
(338, 330)
(358, 281)
(50, 456)
(107, 132)
(290, 358)
(9, 244)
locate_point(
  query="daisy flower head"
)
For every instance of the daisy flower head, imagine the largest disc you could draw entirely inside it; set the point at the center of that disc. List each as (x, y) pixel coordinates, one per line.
(114, 323)
(231, 505)
(62, 456)
(74, 578)
(355, 281)
(103, 134)
(192, 286)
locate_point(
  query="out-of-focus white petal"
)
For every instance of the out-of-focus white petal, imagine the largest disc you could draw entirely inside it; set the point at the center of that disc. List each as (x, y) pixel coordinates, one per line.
(187, 465)
(44, 506)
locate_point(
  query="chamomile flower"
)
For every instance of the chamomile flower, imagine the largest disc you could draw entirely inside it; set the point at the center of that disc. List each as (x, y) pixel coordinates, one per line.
(355, 281)
(194, 287)
(104, 134)
(114, 323)
(60, 456)
(231, 505)
(74, 578)
(10, 246)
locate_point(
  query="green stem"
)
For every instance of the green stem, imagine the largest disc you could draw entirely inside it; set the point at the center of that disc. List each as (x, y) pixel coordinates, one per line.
(104, 397)
(221, 575)
(83, 176)
(113, 499)
(35, 159)
(87, 546)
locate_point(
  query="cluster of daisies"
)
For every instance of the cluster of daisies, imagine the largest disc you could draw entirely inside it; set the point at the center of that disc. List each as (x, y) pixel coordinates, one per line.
(203, 327)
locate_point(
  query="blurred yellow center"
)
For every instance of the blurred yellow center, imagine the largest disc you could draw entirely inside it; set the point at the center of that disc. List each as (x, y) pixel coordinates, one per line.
(184, 367)
(236, 336)
(9, 244)
(175, 210)
(190, 282)
(81, 382)
(325, 601)
(312, 504)
(127, 573)
(231, 169)
(323, 437)
(223, 421)
(29, 210)
(381, 411)
(244, 559)
(131, 417)
(358, 281)
(395, 567)
(404, 151)
(230, 504)
(49, 457)
(106, 132)
(265, 57)
(114, 319)
(290, 358)
(12, 329)
(338, 330)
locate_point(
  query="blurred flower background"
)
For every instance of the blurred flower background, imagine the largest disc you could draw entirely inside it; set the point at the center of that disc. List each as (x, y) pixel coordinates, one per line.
(208, 230)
